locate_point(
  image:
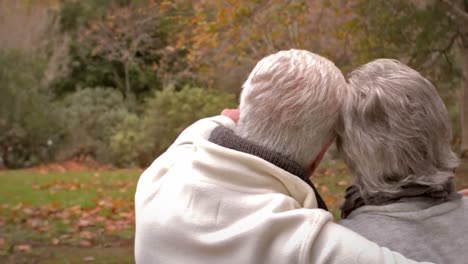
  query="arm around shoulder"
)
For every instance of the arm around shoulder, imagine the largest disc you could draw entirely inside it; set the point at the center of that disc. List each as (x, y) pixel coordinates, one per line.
(337, 244)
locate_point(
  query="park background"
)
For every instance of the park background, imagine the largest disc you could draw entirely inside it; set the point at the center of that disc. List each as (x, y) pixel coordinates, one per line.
(91, 91)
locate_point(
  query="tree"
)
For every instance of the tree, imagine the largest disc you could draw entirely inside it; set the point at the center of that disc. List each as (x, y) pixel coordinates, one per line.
(223, 37)
(30, 130)
(122, 36)
(430, 36)
(458, 12)
(127, 47)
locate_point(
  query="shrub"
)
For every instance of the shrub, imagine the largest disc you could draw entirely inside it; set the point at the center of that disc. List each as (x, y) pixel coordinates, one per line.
(91, 116)
(137, 141)
(169, 112)
(125, 141)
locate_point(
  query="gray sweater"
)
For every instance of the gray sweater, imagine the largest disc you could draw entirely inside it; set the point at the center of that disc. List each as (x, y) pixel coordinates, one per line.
(419, 228)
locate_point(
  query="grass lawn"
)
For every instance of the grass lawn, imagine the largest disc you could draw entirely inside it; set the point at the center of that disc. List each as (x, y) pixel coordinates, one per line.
(67, 217)
(88, 217)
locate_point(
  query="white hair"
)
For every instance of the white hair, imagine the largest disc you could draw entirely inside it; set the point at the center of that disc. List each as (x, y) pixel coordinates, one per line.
(396, 131)
(290, 104)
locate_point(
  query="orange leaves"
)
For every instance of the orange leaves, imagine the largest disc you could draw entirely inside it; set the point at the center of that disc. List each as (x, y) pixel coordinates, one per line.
(329, 200)
(56, 185)
(70, 165)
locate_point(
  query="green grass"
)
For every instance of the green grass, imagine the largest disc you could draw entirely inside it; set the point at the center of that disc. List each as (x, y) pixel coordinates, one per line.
(67, 255)
(18, 186)
(24, 194)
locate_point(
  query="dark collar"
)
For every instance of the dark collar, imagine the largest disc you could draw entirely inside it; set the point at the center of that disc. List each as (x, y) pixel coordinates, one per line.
(354, 200)
(228, 139)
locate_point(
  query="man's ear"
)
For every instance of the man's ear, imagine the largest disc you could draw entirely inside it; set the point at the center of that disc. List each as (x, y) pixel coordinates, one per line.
(232, 113)
(319, 158)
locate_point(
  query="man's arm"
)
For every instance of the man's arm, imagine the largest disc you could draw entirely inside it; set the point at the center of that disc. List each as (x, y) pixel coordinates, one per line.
(337, 244)
(464, 192)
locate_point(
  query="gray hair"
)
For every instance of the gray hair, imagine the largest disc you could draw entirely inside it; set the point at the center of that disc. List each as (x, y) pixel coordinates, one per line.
(396, 131)
(290, 104)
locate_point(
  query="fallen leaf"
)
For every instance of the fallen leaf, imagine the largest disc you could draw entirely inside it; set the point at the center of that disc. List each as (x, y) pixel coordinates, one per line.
(22, 248)
(62, 237)
(89, 258)
(324, 189)
(329, 200)
(55, 204)
(343, 183)
(110, 227)
(85, 243)
(55, 241)
(86, 235)
(84, 223)
(2, 242)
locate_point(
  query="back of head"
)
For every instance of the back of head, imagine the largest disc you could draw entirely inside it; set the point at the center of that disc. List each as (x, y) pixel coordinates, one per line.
(396, 131)
(290, 104)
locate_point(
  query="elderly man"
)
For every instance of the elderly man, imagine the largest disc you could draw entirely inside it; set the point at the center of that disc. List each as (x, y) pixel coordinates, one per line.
(395, 138)
(227, 193)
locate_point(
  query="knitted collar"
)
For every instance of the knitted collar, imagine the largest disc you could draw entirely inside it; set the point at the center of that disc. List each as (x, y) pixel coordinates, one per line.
(354, 200)
(228, 139)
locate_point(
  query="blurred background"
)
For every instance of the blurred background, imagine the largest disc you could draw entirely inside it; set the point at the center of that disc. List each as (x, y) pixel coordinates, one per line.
(90, 86)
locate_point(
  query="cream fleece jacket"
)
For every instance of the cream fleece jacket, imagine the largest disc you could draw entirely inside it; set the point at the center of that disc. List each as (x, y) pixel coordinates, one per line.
(202, 203)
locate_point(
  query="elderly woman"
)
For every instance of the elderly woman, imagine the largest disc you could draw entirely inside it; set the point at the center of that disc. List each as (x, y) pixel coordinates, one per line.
(395, 138)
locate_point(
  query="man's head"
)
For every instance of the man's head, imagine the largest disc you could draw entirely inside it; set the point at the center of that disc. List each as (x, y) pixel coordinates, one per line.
(396, 130)
(290, 104)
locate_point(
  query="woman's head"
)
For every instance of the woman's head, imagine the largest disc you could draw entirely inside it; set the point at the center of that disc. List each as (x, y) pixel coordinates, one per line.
(395, 130)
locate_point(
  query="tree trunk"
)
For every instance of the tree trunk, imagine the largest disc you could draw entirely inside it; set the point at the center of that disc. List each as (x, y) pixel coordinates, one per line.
(5, 157)
(464, 105)
(127, 81)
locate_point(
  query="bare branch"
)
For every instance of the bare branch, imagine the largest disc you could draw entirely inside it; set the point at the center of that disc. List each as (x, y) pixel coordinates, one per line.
(456, 11)
(449, 45)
